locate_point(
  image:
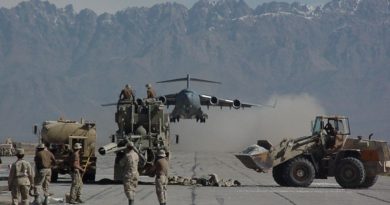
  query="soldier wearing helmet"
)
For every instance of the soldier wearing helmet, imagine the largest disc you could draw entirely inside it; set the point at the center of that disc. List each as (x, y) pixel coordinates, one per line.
(20, 179)
(44, 160)
(161, 169)
(150, 93)
(130, 178)
(126, 93)
(76, 173)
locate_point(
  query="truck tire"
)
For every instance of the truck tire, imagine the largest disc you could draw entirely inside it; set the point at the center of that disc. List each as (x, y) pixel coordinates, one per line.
(299, 172)
(350, 173)
(89, 176)
(369, 181)
(277, 173)
(54, 176)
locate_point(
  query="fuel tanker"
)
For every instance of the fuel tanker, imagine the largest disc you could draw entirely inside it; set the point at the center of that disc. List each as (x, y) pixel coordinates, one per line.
(60, 136)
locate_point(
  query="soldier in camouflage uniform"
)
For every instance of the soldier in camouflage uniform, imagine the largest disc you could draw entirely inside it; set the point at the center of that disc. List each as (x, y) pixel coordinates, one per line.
(44, 160)
(20, 178)
(150, 93)
(161, 167)
(76, 171)
(130, 178)
(127, 93)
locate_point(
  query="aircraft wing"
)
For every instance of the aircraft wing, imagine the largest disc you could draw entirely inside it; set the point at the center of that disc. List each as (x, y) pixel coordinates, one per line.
(214, 101)
(169, 99)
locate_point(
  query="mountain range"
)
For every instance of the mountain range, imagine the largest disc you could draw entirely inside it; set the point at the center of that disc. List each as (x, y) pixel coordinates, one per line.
(59, 62)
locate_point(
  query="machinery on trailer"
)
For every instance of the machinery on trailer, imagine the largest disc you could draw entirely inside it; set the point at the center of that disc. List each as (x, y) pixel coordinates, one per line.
(327, 152)
(145, 123)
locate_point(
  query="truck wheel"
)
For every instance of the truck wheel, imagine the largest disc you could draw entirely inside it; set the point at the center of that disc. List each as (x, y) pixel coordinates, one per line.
(89, 176)
(350, 173)
(369, 181)
(277, 173)
(299, 172)
(54, 176)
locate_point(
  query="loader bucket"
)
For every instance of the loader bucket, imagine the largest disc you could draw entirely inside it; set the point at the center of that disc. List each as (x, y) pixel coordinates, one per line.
(256, 158)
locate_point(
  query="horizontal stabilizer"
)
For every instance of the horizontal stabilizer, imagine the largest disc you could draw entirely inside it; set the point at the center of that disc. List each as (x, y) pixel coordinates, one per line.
(188, 79)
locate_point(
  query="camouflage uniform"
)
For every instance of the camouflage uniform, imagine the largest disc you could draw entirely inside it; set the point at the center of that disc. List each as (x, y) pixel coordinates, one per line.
(77, 182)
(126, 93)
(44, 160)
(161, 166)
(19, 180)
(131, 175)
(150, 93)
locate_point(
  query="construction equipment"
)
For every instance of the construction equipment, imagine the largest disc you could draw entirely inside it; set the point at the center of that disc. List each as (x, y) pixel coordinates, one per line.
(60, 136)
(145, 123)
(327, 152)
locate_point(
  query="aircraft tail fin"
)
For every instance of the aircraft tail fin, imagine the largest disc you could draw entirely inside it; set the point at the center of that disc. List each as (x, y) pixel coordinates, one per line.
(188, 79)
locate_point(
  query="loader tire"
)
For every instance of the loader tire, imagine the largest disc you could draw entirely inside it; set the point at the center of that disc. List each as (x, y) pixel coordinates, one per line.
(350, 173)
(299, 172)
(277, 173)
(369, 181)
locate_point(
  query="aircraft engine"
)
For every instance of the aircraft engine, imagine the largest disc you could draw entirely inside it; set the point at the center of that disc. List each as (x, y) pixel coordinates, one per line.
(163, 99)
(236, 104)
(214, 100)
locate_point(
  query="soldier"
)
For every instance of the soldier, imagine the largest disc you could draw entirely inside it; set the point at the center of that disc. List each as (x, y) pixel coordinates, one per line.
(131, 175)
(20, 178)
(161, 167)
(127, 93)
(76, 171)
(44, 160)
(150, 93)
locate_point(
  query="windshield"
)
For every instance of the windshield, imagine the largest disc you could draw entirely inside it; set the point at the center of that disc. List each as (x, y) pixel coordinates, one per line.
(340, 125)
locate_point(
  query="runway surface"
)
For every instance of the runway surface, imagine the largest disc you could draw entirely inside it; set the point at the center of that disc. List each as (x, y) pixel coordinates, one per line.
(257, 188)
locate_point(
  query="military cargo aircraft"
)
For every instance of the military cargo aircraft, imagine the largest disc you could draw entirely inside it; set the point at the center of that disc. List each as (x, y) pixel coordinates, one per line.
(188, 103)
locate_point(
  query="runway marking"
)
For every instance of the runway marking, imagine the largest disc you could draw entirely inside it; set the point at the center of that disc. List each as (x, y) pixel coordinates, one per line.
(373, 197)
(293, 191)
(286, 198)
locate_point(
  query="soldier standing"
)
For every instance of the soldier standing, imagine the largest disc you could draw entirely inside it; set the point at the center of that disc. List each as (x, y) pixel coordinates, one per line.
(150, 93)
(20, 178)
(161, 167)
(130, 178)
(76, 171)
(127, 93)
(44, 160)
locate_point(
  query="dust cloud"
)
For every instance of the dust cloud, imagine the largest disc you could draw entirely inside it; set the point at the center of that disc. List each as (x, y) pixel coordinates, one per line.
(233, 130)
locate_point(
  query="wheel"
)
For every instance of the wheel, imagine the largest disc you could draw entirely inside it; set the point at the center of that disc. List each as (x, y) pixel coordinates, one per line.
(54, 176)
(350, 173)
(299, 172)
(89, 176)
(369, 181)
(277, 173)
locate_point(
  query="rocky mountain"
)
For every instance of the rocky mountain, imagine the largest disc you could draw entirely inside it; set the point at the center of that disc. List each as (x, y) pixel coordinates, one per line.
(58, 62)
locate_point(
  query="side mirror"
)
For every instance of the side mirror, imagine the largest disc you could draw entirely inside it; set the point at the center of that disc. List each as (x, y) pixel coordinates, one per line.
(177, 139)
(35, 129)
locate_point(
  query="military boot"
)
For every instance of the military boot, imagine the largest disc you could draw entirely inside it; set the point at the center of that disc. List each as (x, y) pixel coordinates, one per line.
(78, 200)
(163, 203)
(46, 200)
(131, 202)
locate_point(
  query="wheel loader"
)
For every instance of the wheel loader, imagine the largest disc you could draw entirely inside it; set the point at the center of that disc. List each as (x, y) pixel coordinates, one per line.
(327, 152)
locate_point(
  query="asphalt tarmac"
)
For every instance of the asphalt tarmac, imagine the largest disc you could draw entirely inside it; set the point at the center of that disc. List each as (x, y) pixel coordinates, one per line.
(257, 188)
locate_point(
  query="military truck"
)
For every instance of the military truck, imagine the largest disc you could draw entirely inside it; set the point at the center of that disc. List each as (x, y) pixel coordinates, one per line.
(327, 152)
(59, 137)
(145, 123)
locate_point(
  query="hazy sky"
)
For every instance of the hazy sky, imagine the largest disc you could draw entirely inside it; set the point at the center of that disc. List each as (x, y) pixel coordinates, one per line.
(111, 6)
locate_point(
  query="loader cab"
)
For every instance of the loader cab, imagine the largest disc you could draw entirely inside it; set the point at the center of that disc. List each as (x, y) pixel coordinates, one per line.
(340, 125)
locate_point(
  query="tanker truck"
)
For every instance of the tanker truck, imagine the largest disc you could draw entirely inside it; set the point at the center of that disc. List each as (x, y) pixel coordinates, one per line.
(327, 152)
(60, 136)
(143, 122)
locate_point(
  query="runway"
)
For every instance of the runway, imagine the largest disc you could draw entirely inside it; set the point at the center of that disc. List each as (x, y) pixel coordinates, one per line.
(257, 188)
